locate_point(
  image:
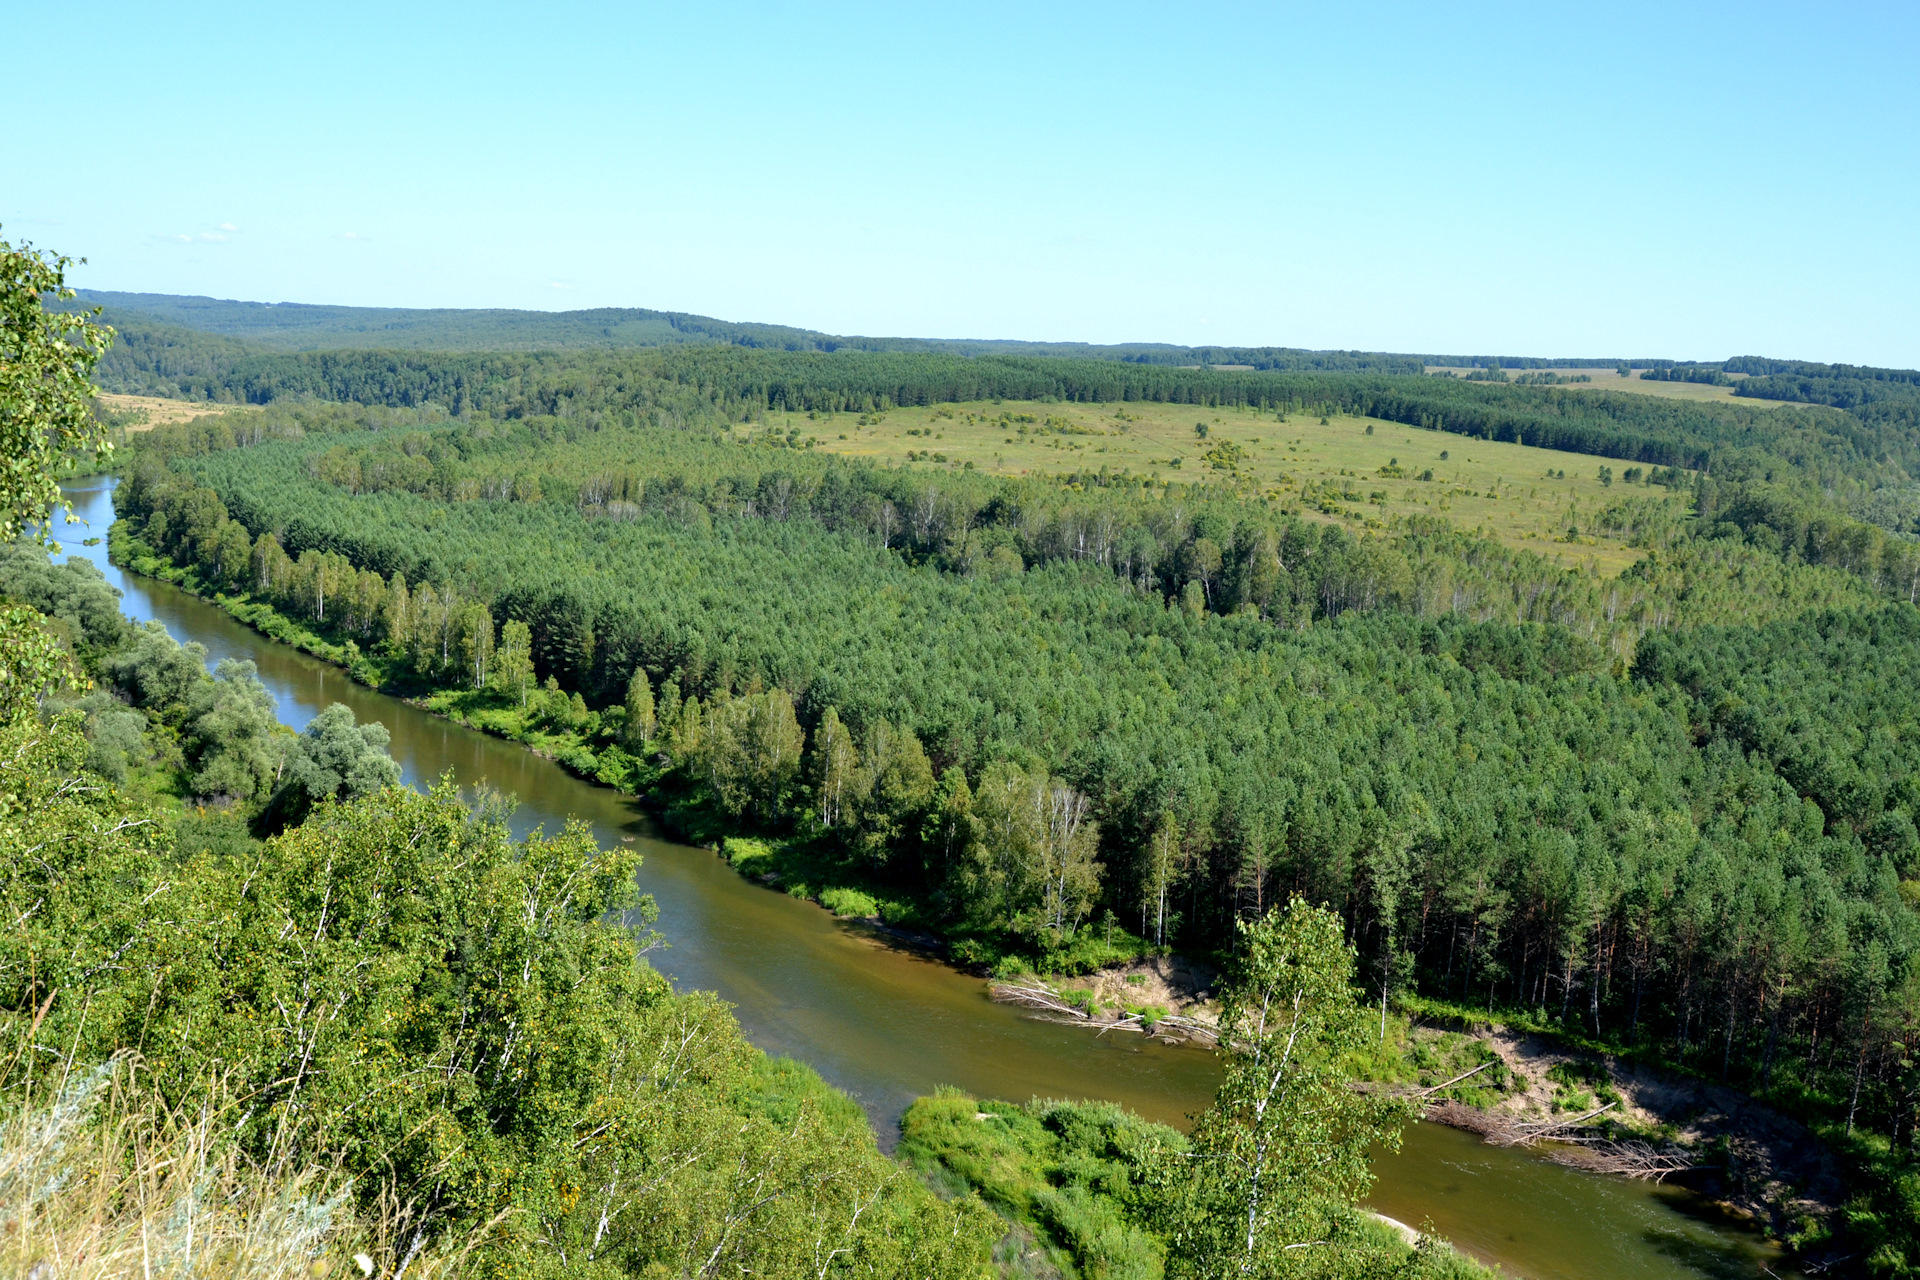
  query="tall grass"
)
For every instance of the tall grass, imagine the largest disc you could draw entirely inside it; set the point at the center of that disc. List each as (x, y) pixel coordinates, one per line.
(97, 1180)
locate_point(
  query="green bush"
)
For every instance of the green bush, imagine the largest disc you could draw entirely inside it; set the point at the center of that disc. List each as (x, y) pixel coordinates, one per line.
(849, 902)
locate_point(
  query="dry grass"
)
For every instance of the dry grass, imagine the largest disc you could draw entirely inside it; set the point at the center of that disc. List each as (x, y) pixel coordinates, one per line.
(156, 412)
(1511, 492)
(95, 1184)
(1609, 379)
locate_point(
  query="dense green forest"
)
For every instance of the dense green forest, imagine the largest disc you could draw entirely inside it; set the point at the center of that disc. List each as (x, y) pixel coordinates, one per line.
(1513, 802)
(1671, 812)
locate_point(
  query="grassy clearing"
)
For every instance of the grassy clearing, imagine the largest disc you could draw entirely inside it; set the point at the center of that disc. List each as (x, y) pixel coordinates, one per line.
(144, 413)
(1358, 471)
(1609, 379)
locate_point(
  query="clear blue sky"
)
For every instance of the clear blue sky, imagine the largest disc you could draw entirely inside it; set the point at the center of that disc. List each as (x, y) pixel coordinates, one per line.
(1675, 179)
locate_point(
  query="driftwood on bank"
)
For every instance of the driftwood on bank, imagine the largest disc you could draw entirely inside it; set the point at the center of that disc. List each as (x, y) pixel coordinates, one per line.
(1448, 1084)
(1048, 1006)
(1630, 1159)
(1588, 1150)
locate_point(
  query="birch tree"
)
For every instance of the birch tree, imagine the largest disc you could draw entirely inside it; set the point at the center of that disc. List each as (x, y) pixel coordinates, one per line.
(1279, 1161)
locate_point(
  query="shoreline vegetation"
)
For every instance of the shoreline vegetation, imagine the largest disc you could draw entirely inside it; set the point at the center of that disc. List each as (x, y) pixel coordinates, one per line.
(1181, 688)
(800, 867)
(1085, 1190)
(1515, 1087)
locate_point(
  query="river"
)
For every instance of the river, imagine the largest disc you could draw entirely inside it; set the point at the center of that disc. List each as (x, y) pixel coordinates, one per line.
(886, 1023)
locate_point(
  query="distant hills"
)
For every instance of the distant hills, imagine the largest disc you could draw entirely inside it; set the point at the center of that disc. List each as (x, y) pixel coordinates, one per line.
(299, 326)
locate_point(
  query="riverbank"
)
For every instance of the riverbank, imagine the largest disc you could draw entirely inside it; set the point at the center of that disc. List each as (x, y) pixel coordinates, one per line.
(1610, 1114)
(812, 863)
(1602, 1113)
(748, 863)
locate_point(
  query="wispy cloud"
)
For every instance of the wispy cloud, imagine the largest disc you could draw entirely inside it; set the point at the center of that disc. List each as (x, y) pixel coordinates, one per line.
(220, 235)
(351, 235)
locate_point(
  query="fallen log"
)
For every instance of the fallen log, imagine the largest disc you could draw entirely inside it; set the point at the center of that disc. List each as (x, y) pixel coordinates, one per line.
(1448, 1084)
(1629, 1159)
(1041, 998)
(1525, 1135)
(1047, 1006)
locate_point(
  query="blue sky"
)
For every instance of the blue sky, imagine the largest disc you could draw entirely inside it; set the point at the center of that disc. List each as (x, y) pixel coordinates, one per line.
(1684, 180)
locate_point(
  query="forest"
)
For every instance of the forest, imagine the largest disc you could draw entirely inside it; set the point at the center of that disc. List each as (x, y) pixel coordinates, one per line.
(144, 319)
(1520, 785)
(265, 1012)
(1670, 812)
(712, 383)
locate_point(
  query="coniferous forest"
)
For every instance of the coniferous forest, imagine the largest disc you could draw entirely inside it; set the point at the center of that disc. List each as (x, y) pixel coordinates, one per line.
(1060, 719)
(1672, 807)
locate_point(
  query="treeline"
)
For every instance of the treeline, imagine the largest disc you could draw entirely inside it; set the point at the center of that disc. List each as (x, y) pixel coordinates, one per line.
(1688, 373)
(288, 326)
(306, 326)
(156, 710)
(1210, 552)
(1887, 399)
(714, 385)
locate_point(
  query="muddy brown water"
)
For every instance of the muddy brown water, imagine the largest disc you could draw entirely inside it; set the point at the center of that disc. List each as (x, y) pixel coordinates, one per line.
(887, 1023)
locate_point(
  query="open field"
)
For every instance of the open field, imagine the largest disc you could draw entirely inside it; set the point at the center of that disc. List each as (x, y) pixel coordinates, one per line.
(1363, 472)
(160, 412)
(1610, 380)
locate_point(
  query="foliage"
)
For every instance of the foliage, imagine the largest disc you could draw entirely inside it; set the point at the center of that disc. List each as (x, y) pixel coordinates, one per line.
(46, 391)
(398, 987)
(1087, 1183)
(1082, 1177)
(1279, 1160)
(335, 759)
(74, 596)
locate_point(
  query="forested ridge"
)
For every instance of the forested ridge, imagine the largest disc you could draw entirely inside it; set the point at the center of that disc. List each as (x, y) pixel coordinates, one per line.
(236, 327)
(308, 327)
